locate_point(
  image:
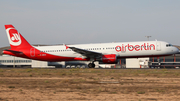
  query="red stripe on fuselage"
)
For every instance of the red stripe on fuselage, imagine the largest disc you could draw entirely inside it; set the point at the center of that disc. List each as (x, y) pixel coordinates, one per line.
(42, 56)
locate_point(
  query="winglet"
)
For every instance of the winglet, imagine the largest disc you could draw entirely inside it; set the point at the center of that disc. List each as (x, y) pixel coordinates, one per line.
(66, 46)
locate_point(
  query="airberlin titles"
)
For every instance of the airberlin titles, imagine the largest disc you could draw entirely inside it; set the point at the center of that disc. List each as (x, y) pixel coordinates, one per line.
(144, 46)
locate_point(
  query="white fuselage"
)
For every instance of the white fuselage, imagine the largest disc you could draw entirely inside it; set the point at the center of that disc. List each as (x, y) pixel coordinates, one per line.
(121, 49)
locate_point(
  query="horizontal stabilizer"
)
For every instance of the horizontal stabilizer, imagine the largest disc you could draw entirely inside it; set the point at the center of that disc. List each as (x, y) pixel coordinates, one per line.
(13, 51)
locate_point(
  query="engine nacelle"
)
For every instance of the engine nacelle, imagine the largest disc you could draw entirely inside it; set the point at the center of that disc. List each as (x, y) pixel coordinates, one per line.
(109, 58)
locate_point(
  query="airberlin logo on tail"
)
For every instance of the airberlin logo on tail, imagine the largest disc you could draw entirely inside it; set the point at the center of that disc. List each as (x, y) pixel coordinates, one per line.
(13, 36)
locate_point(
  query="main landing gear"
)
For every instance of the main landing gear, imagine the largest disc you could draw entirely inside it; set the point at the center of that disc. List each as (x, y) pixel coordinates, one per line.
(91, 65)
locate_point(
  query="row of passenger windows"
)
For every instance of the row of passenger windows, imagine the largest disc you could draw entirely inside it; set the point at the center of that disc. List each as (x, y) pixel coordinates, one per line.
(71, 50)
(16, 61)
(89, 49)
(56, 50)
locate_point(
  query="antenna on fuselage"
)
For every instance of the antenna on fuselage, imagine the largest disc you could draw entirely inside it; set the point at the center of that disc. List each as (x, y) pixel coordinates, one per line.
(148, 37)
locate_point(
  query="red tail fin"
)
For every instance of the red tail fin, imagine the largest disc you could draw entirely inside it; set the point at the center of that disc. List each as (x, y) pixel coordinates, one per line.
(16, 40)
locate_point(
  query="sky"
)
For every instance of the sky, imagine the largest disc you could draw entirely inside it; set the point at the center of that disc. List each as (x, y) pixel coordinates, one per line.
(91, 21)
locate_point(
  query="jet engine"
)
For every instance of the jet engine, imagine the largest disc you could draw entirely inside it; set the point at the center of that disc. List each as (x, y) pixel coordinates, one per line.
(109, 58)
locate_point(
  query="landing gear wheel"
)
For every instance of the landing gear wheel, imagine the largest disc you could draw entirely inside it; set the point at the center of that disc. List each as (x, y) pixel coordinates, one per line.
(91, 65)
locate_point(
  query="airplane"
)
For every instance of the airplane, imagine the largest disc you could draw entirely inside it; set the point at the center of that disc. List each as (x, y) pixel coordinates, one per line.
(104, 52)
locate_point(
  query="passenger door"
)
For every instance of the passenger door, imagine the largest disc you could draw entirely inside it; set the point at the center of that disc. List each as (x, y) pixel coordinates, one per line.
(32, 52)
(158, 46)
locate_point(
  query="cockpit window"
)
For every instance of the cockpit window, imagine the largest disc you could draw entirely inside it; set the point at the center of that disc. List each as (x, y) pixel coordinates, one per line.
(169, 45)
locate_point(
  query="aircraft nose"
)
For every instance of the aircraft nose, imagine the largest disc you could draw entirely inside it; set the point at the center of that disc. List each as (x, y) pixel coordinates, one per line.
(176, 50)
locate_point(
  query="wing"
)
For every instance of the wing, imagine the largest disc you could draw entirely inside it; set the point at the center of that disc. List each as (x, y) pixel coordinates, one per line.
(84, 52)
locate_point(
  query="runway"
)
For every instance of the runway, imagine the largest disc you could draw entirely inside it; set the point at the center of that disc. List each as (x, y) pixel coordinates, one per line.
(89, 84)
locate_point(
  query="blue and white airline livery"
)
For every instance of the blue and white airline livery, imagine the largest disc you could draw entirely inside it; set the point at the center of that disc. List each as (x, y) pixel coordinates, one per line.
(105, 52)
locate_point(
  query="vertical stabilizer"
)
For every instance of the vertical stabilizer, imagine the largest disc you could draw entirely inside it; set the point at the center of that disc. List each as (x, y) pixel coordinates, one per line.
(16, 40)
